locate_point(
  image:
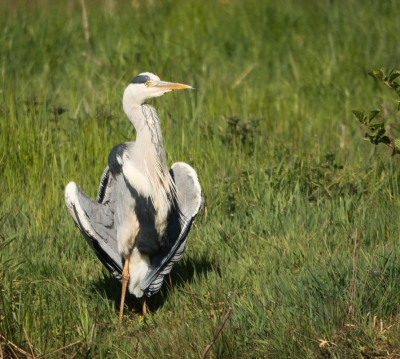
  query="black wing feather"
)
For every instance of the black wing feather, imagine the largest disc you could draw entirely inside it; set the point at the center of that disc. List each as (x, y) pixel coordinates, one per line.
(180, 223)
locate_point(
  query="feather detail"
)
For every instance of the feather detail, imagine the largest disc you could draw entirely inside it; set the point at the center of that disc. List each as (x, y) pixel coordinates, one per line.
(164, 190)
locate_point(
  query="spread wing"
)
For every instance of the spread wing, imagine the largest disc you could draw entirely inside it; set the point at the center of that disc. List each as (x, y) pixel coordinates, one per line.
(95, 219)
(179, 224)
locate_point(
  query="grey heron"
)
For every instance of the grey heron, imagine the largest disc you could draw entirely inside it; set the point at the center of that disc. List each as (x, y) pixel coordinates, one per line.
(139, 223)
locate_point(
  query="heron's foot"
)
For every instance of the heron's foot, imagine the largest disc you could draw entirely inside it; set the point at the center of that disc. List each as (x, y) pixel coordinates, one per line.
(125, 279)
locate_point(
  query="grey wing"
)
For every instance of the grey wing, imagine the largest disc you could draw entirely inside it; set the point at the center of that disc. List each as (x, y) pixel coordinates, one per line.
(95, 219)
(179, 225)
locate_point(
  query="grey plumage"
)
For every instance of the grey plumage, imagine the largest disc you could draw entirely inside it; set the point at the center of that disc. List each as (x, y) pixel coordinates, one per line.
(143, 212)
(99, 226)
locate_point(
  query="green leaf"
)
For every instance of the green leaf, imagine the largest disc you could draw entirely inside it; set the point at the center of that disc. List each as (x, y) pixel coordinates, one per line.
(397, 143)
(371, 138)
(395, 152)
(374, 74)
(359, 115)
(394, 75)
(381, 132)
(380, 75)
(372, 115)
(376, 126)
(385, 140)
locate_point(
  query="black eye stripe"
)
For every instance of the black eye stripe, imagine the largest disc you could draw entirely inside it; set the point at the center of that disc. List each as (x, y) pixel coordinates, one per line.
(141, 79)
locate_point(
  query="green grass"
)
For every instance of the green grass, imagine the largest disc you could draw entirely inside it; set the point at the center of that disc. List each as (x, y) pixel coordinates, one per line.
(302, 251)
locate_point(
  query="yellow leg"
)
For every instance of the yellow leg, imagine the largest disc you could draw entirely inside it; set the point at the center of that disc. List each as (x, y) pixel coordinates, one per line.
(125, 278)
(144, 304)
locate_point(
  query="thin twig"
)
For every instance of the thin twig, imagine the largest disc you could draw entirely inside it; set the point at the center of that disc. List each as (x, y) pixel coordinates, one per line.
(183, 291)
(12, 345)
(97, 62)
(90, 340)
(85, 23)
(57, 350)
(216, 333)
(29, 342)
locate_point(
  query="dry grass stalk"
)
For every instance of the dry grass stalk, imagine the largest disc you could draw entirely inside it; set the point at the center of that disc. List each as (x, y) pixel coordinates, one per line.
(343, 143)
(85, 23)
(366, 278)
(322, 227)
(12, 345)
(326, 246)
(216, 333)
(90, 340)
(57, 350)
(12, 351)
(122, 351)
(353, 286)
(243, 75)
(29, 342)
(97, 62)
(183, 291)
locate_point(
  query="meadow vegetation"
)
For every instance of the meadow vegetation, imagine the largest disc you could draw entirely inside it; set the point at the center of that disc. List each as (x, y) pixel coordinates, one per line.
(299, 232)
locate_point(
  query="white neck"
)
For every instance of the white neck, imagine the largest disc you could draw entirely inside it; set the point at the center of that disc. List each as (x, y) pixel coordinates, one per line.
(149, 150)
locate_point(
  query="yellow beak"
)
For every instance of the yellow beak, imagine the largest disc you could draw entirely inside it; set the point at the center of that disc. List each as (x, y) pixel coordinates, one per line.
(172, 85)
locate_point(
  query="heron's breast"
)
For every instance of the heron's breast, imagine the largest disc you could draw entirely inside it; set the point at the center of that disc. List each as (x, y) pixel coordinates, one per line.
(137, 180)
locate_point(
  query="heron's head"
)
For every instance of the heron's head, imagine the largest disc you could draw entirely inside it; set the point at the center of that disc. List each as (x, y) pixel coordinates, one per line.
(147, 85)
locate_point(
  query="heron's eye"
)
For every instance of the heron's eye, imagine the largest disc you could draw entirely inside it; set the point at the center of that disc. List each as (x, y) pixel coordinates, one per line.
(147, 83)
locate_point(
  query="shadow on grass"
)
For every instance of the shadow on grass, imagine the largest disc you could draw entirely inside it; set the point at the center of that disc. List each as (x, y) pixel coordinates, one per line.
(182, 272)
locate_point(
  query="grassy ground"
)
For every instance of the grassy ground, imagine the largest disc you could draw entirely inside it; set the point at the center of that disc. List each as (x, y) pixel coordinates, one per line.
(305, 253)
